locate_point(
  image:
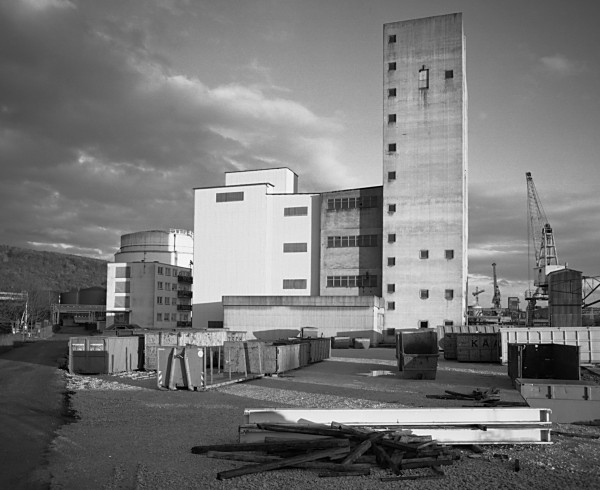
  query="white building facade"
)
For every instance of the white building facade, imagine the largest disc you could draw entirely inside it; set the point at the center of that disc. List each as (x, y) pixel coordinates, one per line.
(259, 238)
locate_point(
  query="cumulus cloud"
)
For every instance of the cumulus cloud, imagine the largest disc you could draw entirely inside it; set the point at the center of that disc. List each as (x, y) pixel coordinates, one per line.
(560, 64)
(100, 136)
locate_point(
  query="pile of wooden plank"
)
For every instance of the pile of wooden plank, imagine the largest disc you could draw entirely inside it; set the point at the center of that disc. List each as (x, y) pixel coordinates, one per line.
(335, 450)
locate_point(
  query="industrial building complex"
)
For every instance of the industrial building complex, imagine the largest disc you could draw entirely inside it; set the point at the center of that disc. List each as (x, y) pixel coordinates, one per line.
(394, 255)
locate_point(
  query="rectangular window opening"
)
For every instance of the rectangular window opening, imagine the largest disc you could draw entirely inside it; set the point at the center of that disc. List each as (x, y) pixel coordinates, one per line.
(423, 324)
(391, 38)
(392, 66)
(391, 176)
(424, 293)
(391, 208)
(449, 74)
(391, 288)
(294, 247)
(391, 305)
(391, 147)
(391, 118)
(449, 294)
(424, 254)
(391, 92)
(391, 261)
(423, 78)
(391, 238)
(230, 196)
(294, 284)
(296, 211)
(449, 254)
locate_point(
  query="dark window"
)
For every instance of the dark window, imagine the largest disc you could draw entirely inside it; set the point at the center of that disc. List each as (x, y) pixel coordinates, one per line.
(392, 66)
(160, 270)
(122, 301)
(449, 294)
(159, 285)
(159, 300)
(448, 323)
(391, 238)
(294, 247)
(424, 293)
(296, 211)
(423, 324)
(214, 324)
(449, 254)
(122, 272)
(362, 281)
(423, 78)
(391, 305)
(391, 118)
(391, 175)
(122, 286)
(391, 38)
(391, 92)
(230, 196)
(391, 261)
(449, 74)
(424, 254)
(294, 284)
(391, 147)
(391, 288)
(391, 208)
(352, 241)
(159, 317)
(343, 203)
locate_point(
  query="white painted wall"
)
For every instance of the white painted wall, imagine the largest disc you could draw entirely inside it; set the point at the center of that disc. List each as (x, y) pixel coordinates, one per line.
(283, 180)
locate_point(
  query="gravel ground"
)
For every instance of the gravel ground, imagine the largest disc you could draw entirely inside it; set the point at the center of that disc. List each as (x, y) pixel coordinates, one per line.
(128, 434)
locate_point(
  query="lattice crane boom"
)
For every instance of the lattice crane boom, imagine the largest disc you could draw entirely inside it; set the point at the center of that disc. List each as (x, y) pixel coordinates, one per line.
(540, 230)
(496, 300)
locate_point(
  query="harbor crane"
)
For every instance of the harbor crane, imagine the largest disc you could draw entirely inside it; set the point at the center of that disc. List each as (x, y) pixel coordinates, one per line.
(541, 237)
(476, 293)
(496, 302)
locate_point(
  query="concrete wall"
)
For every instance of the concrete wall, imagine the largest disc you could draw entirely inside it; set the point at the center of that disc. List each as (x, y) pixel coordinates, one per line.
(429, 188)
(280, 317)
(283, 180)
(351, 221)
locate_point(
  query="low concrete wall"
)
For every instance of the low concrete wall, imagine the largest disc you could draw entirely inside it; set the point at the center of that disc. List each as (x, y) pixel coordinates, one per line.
(271, 318)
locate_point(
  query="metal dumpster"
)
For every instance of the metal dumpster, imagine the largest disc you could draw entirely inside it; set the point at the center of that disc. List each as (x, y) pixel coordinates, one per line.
(417, 352)
(103, 355)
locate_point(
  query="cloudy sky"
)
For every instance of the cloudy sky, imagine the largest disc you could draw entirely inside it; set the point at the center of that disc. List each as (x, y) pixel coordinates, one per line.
(112, 111)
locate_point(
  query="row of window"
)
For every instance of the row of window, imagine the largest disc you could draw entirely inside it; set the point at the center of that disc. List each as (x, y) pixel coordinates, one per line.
(338, 203)
(294, 247)
(423, 74)
(352, 241)
(360, 281)
(166, 271)
(167, 286)
(167, 300)
(164, 317)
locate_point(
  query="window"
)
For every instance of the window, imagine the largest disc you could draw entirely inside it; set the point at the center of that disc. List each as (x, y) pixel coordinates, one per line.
(230, 196)
(391, 118)
(449, 294)
(361, 281)
(391, 261)
(159, 285)
(449, 74)
(391, 175)
(449, 254)
(159, 300)
(423, 324)
(391, 92)
(296, 211)
(159, 317)
(391, 238)
(391, 288)
(390, 331)
(423, 78)
(424, 254)
(392, 66)
(122, 272)
(294, 284)
(391, 38)
(351, 203)
(424, 293)
(352, 241)
(173, 317)
(122, 301)
(167, 300)
(167, 271)
(391, 305)
(391, 208)
(294, 247)
(167, 286)
(159, 271)
(391, 147)
(122, 287)
(448, 323)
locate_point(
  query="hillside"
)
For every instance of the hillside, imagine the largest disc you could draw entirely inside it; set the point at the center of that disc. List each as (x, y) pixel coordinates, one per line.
(23, 269)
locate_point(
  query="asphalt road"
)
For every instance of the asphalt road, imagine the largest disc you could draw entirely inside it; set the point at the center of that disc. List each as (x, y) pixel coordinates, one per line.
(31, 410)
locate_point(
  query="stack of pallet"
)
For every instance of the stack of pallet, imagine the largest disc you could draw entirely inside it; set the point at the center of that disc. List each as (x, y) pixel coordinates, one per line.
(334, 450)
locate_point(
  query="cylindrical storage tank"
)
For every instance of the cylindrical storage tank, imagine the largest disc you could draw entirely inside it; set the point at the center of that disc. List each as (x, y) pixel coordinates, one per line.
(175, 247)
(92, 296)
